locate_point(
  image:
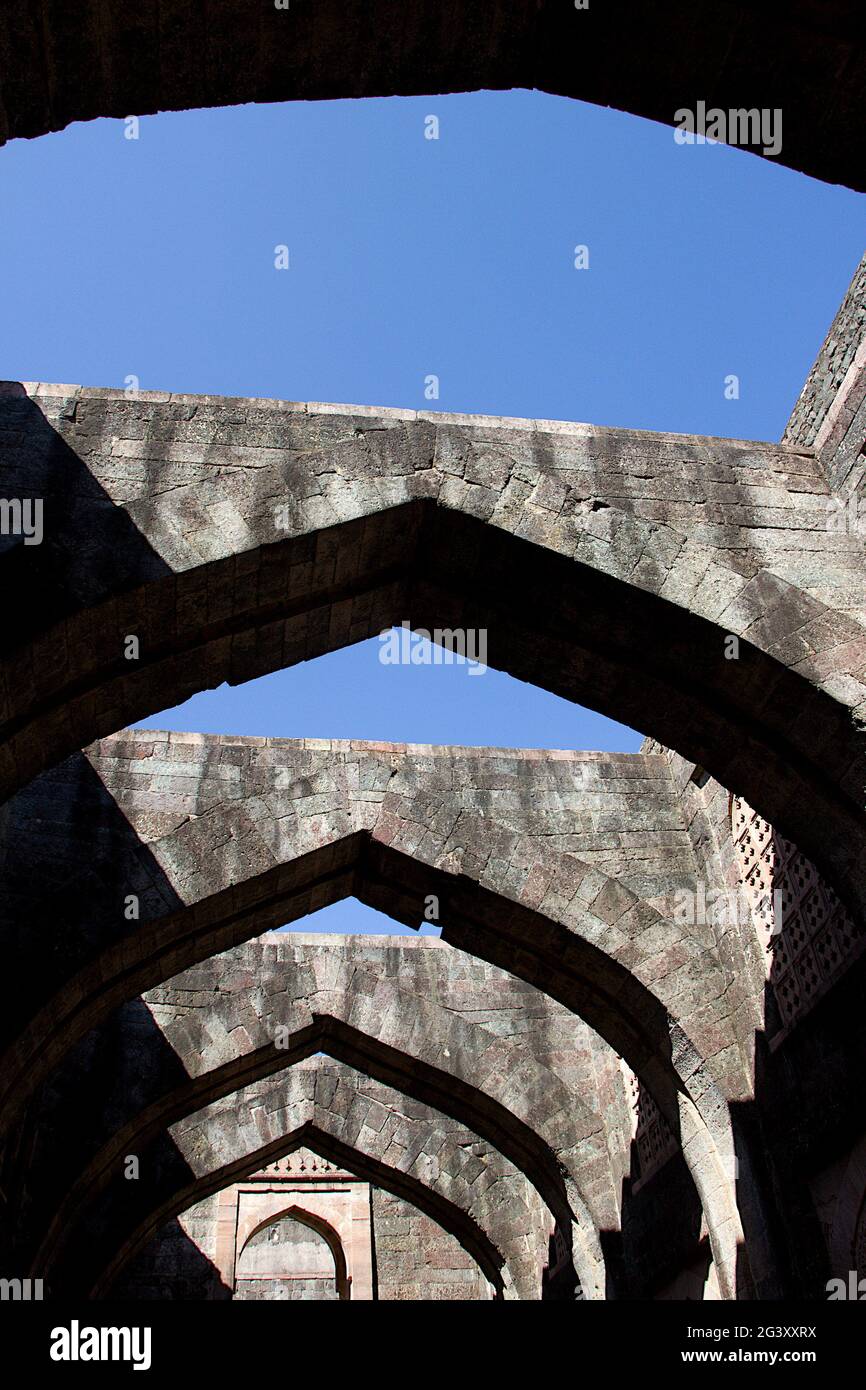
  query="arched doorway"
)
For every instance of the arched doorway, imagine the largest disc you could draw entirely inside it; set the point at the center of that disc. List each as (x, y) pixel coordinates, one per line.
(292, 1254)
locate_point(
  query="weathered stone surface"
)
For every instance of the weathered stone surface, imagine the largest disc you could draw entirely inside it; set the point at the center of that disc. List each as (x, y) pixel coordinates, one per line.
(830, 416)
(441, 1167)
(146, 813)
(411, 1260)
(206, 829)
(654, 991)
(609, 566)
(406, 1012)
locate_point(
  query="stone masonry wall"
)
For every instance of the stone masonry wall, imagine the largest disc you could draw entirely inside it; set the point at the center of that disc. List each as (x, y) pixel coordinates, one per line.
(249, 535)
(416, 1259)
(830, 414)
(178, 1263)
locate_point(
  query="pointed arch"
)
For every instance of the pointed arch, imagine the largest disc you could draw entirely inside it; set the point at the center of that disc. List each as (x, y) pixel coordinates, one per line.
(297, 1211)
(540, 1144)
(203, 1115)
(596, 948)
(450, 523)
(440, 1209)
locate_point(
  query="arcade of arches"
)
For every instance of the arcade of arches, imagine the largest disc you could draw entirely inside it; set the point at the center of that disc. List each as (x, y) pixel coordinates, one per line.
(628, 1068)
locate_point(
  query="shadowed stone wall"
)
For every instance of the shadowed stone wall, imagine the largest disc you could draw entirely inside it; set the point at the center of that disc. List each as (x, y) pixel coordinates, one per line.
(179, 1263)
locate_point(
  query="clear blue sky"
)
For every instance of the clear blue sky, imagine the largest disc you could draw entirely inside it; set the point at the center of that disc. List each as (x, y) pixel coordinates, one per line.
(408, 256)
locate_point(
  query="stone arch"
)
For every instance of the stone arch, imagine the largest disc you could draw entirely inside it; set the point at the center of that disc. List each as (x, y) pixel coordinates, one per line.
(298, 1212)
(373, 1118)
(440, 1209)
(223, 1131)
(354, 50)
(251, 864)
(573, 950)
(838, 792)
(653, 990)
(563, 926)
(709, 1168)
(539, 1136)
(619, 924)
(448, 523)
